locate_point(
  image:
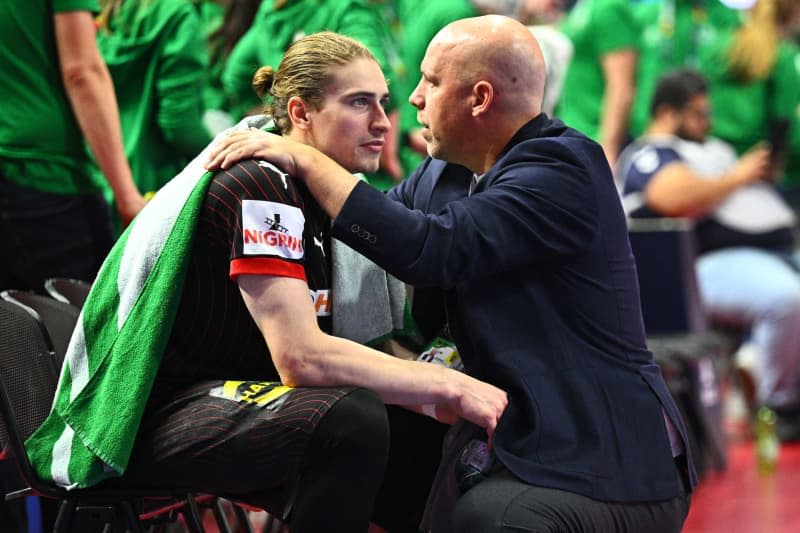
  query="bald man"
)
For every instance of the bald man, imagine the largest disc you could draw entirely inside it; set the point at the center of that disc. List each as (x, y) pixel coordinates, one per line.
(514, 228)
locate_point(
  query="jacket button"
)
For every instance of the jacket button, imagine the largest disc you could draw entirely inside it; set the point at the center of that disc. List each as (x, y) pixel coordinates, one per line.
(354, 228)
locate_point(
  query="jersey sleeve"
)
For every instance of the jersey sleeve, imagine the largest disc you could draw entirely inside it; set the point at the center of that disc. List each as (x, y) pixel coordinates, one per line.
(615, 27)
(645, 164)
(258, 212)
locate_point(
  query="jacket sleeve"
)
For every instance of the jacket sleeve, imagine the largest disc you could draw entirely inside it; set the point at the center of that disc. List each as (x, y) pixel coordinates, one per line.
(539, 206)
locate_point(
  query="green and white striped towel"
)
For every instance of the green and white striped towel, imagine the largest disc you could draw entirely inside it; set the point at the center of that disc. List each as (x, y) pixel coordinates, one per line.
(116, 348)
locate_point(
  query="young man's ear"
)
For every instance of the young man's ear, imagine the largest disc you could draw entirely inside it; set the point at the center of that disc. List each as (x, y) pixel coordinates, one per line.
(298, 111)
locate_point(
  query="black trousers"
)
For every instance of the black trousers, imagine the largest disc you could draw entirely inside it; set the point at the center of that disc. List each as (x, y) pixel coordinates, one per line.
(45, 235)
(503, 503)
(321, 459)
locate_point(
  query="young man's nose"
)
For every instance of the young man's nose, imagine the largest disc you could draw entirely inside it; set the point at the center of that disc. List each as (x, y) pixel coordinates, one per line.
(381, 120)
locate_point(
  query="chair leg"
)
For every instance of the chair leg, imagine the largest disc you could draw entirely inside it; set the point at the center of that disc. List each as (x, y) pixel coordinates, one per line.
(131, 516)
(193, 520)
(64, 517)
(273, 525)
(242, 519)
(219, 514)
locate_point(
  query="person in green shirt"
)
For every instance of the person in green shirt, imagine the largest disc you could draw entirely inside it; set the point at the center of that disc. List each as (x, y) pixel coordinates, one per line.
(57, 97)
(157, 58)
(790, 183)
(600, 80)
(790, 179)
(420, 22)
(750, 69)
(753, 78)
(224, 26)
(674, 34)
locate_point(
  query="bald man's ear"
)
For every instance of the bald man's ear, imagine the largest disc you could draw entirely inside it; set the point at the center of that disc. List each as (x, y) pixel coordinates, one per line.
(482, 97)
(298, 111)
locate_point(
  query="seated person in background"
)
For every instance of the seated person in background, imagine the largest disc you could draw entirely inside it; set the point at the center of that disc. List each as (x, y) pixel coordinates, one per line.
(744, 231)
(302, 432)
(518, 224)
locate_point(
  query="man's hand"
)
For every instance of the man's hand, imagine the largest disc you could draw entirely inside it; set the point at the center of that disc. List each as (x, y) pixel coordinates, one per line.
(754, 165)
(468, 398)
(254, 144)
(477, 402)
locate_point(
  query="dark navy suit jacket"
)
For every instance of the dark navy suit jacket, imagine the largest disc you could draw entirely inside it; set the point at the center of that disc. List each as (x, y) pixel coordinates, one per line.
(541, 297)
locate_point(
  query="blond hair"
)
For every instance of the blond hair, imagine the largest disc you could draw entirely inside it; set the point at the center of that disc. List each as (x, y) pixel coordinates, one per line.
(755, 46)
(305, 71)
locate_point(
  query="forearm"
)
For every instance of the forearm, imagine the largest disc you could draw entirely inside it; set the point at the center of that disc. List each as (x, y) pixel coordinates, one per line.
(614, 123)
(92, 97)
(689, 196)
(332, 361)
(91, 94)
(305, 356)
(619, 73)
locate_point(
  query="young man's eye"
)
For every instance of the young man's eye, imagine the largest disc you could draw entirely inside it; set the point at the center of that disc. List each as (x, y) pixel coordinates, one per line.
(384, 102)
(360, 102)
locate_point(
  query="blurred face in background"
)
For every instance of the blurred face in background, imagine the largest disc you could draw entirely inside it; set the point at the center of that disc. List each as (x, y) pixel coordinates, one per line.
(694, 120)
(542, 11)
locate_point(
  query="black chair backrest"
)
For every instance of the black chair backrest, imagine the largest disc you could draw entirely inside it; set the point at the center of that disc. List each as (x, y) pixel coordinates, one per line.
(27, 388)
(665, 252)
(68, 290)
(58, 318)
(27, 376)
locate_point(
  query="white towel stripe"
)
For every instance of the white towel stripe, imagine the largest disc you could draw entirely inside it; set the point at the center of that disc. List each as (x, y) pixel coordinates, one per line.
(62, 450)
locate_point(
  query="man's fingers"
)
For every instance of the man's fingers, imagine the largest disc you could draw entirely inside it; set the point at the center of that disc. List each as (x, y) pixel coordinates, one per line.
(220, 154)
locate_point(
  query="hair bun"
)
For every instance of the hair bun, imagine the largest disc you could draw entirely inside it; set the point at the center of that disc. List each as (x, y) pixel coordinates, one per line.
(263, 80)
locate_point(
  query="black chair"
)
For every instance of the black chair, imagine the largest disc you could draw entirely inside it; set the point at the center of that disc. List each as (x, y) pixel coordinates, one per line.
(56, 318)
(68, 290)
(27, 388)
(689, 350)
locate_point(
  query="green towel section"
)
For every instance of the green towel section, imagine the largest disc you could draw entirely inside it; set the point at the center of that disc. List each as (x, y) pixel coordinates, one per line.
(116, 348)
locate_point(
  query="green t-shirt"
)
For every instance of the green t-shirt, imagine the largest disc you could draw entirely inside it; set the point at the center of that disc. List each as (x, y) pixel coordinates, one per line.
(742, 113)
(157, 57)
(674, 34)
(419, 26)
(596, 28)
(273, 30)
(791, 177)
(212, 15)
(41, 145)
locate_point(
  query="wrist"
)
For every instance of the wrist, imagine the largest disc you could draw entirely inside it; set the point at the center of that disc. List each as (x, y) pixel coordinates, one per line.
(128, 195)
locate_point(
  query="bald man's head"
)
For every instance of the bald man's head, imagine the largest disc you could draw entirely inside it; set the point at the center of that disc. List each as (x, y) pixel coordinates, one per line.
(482, 80)
(498, 49)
